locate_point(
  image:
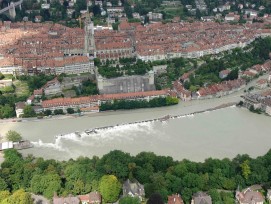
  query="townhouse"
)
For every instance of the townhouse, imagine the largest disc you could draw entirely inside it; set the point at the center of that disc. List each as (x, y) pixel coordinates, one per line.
(91, 103)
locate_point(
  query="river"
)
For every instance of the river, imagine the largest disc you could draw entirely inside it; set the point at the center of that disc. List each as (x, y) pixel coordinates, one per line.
(218, 134)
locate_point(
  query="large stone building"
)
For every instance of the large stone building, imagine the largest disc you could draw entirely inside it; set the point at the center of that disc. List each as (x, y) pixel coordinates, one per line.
(126, 84)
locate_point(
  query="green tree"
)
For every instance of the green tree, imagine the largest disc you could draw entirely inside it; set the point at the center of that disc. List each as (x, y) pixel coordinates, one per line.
(97, 62)
(115, 162)
(46, 184)
(29, 111)
(58, 112)
(19, 197)
(155, 198)
(6, 111)
(47, 112)
(70, 110)
(3, 185)
(245, 169)
(1, 76)
(4, 195)
(110, 188)
(13, 136)
(129, 200)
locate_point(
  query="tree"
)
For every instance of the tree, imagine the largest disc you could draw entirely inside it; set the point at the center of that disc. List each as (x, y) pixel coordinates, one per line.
(46, 184)
(115, 162)
(232, 75)
(19, 197)
(13, 136)
(1, 76)
(29, 111)
(129, 200)
(47, 112)
(3, 185)
(245, 169)
(58, 112)
(155, 198)
(110, 188)
(96, 10)
(4, 195)
(97, 61)
(198, 14)
(6, 111)
(70, 110)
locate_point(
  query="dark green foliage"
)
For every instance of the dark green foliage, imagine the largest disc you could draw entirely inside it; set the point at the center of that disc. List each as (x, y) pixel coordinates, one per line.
(58, 112)
(70, 110)
(139, 68)
(127, 60)
(29, 112)
(125, 104)
(115, 162)
(1, 76)
(6, 111)
(36, 82)
(48, 112)
(88, 88)
(129, 200)
(155, 198)
(232, 75)
(159, 174)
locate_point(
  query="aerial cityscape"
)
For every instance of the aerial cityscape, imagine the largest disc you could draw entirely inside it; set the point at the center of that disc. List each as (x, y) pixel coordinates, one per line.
(135, 101)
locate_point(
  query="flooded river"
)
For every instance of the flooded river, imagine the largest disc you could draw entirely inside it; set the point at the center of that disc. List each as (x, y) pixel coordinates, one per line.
(221, 133)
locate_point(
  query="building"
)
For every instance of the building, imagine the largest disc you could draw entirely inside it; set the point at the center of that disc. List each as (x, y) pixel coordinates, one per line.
(249, 196)
(159, 69)
(52, 88)
(126, 84)
(181, 92)
(261, 83)
(91, 198)
(230, 17)
(133, 189)
(221, 89)
(224, 73)
(38, 19)
(175, 199)
(6, 145)
(91, 103)
(19, 109)
(66, 200)
(251, 13)
(201, 198)
(155, 16)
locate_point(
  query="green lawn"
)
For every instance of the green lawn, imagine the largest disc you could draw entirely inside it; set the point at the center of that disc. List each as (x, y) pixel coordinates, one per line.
(21, 88)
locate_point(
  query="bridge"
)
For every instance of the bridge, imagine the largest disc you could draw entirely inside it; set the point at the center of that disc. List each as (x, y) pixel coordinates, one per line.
(11, 8)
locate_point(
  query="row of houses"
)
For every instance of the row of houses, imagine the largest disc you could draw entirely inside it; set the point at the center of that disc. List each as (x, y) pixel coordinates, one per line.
(221, 89)
(90, 103)
(211, 91)
(71, 65)
(250, 195)
(225, 87)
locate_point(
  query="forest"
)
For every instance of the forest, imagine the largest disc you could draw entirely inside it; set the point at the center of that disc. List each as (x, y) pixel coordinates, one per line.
(161, 174)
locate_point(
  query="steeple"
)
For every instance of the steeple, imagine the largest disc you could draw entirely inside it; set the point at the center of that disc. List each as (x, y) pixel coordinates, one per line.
(89, 45)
